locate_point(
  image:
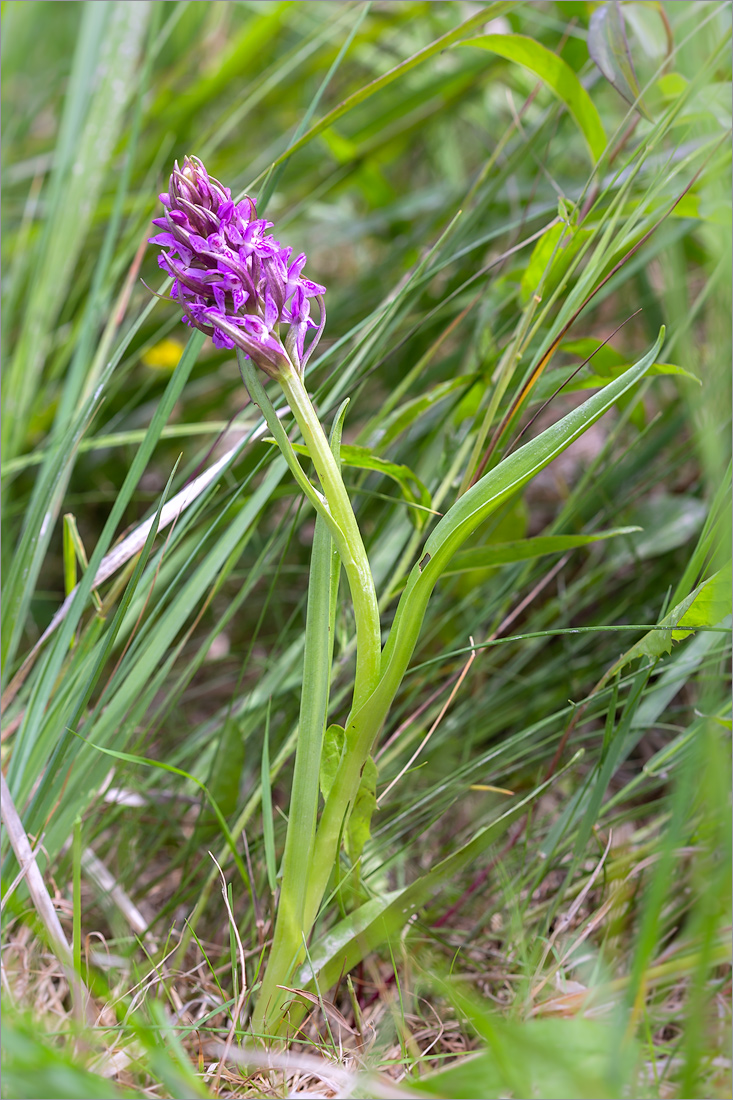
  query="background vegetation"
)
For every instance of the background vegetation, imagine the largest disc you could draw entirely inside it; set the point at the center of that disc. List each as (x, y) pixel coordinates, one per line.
(554, 779)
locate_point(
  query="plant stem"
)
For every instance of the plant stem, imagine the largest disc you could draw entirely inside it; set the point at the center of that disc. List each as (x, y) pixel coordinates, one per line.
(335, 520)
(361, 732)
(348, 540)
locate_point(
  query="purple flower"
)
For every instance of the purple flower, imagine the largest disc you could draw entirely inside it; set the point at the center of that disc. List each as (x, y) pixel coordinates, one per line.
(231, 278)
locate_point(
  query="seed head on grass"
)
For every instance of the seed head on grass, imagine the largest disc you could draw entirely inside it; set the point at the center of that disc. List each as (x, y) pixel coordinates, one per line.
(231, 278)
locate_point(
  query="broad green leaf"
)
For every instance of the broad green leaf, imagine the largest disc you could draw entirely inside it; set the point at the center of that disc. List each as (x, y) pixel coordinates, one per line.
(33, 1066)
(481, 557)
(710, 606)
(557, 75)
(672, 85)
(706, 605)
(333, 746)
(413, 490)
(358, 830)
(541, 258)
(477, 504)
(569, 1058)
(609, 48)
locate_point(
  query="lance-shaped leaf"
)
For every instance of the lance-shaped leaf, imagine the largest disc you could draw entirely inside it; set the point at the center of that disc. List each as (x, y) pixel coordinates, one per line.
(505, 553)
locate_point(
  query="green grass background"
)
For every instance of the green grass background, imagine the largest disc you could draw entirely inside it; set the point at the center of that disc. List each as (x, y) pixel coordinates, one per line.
(460, 206)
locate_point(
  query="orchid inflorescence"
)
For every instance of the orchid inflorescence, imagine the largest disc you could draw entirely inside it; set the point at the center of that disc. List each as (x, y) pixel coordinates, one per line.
(232, 279)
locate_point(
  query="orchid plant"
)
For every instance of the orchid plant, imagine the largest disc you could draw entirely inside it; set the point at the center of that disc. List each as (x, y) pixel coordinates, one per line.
(236, 283)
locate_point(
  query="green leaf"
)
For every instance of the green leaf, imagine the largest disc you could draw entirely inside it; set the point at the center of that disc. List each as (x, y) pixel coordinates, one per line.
(379, 919)
(609, 48)
(358, 829)
(551, 257)
(541, 258)
(567, 1058)
(706, 605)
(411, 487)
(413, 490)
(672, 85)
(557, 75)
(710, 606)
(34, 1066)
(333, 746)
(471, 510)
(400, 419)
(505, 553)
(268, 829)
(608, 363)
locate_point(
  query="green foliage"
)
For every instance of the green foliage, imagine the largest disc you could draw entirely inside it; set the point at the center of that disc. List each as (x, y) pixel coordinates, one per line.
(331, 752)
(358, 828)
(33, 1069)
(576, 1058)
(484, 218)
(558, 76)
(360, 818)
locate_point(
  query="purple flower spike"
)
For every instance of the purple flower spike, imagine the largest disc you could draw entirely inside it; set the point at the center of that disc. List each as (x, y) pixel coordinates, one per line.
(232, 279)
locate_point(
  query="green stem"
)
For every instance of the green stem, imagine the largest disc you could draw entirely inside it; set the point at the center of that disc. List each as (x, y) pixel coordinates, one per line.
(346, 535)
(362, 730)
(336, 521)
